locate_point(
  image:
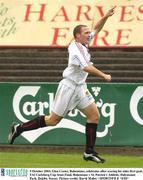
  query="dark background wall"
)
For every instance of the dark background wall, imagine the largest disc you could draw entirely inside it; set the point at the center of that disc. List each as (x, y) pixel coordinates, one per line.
(47, 64)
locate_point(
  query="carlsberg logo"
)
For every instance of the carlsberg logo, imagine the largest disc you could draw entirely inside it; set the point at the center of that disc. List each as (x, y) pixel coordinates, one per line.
(35, 108)
(30, 108)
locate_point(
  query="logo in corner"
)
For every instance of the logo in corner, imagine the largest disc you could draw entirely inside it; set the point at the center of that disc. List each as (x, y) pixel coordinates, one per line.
(2, 172)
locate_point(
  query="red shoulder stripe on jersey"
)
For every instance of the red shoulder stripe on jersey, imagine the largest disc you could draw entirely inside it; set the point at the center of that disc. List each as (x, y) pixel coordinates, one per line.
(81, 51)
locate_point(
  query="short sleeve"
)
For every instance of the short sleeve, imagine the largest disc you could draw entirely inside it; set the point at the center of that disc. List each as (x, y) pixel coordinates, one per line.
(92, 34)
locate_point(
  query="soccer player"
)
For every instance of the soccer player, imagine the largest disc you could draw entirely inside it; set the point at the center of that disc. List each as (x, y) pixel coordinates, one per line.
(72, 91)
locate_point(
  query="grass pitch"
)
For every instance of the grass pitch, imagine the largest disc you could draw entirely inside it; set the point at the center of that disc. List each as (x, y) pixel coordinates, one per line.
(71, 160)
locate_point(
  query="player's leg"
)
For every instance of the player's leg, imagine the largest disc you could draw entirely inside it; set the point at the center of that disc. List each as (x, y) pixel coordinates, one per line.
(92, 114)
(61, 106)
(38, 122)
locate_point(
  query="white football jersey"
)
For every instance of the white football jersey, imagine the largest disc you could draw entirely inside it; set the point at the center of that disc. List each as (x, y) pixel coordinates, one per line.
(79, 58)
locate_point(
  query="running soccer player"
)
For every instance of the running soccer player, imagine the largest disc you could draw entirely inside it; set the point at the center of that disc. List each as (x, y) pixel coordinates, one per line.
(72, 91)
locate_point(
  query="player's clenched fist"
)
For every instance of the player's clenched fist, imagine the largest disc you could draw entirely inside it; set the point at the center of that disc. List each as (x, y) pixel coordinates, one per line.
(107, 77)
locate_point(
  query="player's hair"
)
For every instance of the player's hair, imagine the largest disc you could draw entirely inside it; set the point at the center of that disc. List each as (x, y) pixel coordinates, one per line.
(77, 29)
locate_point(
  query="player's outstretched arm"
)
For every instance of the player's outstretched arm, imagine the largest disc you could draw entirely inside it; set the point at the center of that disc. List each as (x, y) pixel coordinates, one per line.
(93, 70)
(99, 25)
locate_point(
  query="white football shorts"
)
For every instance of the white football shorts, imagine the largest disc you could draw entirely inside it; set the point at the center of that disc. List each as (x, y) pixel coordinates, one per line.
(70, 96)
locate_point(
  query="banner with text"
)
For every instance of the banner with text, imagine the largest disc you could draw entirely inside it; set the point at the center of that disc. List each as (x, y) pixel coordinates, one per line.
(50, 23)
(120, 106)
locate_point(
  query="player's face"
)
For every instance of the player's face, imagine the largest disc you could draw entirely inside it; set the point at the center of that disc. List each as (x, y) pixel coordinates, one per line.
(84, 35)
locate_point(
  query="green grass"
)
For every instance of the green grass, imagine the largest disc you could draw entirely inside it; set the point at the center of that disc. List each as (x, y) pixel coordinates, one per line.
(46, 160)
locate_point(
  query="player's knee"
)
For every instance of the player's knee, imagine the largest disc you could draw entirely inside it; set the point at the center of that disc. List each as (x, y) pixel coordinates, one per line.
(97, 118)
(51, 121)
(94, 118)
(54, 122)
